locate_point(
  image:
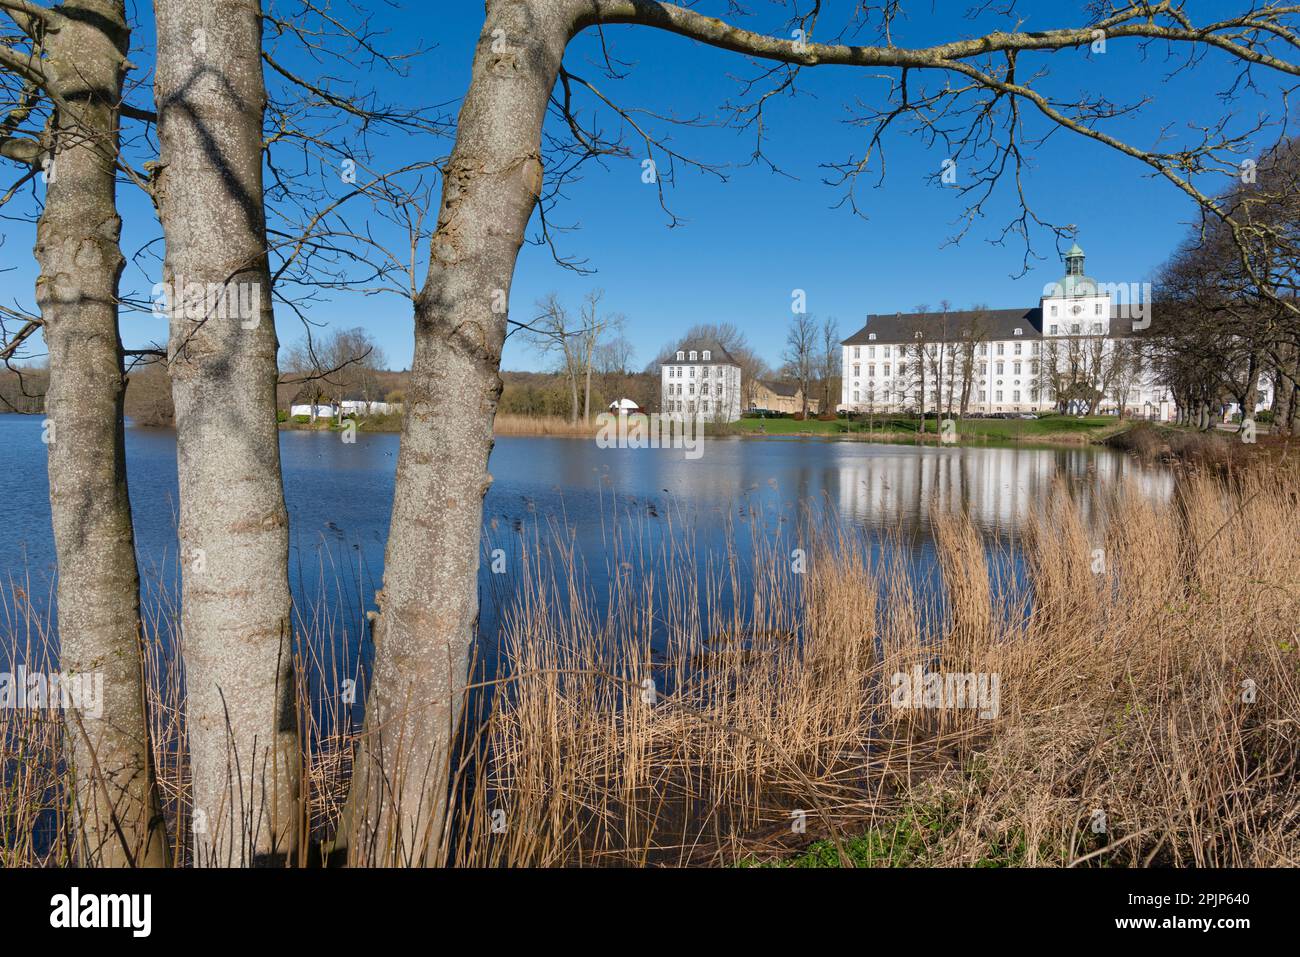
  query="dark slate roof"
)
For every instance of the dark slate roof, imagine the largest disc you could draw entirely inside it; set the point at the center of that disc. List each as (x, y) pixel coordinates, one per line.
(988, 324)
(717, 354)
(789, 390)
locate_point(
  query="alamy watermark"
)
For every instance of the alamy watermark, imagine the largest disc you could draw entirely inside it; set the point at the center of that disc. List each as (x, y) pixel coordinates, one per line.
(1131, 300)
(658, 430)
(199, 301)
(946, 690)
(38, 690)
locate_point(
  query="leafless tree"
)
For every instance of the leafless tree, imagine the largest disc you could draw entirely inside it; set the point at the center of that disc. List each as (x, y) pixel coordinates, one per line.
(494, 182)
(70, 66)
(830, 363)
(800, 356)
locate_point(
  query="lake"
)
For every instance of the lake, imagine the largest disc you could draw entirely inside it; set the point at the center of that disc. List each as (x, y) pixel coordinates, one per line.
(568, 490)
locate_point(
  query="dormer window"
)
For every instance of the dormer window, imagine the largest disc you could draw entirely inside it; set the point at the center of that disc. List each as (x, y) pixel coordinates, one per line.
(1019, 331)
(681, 356)
(694, 354)
(871, 335)
(708, 354)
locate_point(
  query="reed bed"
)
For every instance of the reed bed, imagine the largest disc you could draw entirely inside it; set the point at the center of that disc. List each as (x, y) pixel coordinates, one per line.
(516, 424)
(736, 707)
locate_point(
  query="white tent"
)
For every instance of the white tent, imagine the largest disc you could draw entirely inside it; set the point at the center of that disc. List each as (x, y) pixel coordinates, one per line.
(623, 406)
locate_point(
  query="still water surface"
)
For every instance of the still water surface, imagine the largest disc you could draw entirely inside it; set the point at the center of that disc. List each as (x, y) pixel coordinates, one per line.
(340, 495)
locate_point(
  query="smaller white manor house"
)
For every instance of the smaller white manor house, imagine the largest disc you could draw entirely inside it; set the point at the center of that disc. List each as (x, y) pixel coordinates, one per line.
(702, 378)
(1078, 346)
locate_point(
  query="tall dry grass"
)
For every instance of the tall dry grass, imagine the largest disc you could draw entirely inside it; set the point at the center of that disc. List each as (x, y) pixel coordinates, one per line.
(515, 424)
(1149, 679)
(1149, 683)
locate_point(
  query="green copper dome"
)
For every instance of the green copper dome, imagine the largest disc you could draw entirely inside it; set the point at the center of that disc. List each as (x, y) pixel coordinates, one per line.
(1074, 284)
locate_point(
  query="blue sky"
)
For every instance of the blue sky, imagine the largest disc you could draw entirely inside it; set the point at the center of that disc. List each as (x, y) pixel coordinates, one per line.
(747, 243)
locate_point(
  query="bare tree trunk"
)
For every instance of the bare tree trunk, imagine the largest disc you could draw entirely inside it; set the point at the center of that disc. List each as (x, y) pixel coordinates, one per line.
(586, 397)
(77, 246)
(430, 597)
(242, 724)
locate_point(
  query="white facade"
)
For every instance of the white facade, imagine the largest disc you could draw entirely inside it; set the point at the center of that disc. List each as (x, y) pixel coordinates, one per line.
(362, 407)
(701, 380)
(318, 411)
(1079, 343)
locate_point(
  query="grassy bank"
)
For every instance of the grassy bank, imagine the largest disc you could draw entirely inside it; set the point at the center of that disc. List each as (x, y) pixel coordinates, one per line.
(1048, 429)
(1217, 450)
(1148, 694)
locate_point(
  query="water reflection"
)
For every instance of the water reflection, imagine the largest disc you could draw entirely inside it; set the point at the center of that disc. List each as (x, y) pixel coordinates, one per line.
(340, 495)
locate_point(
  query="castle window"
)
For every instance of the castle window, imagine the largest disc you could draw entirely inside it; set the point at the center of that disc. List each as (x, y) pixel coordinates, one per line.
(1052, 329)
(681, 356)
(1053, 310)
(1097, 309)
(707, 355)
(693, 355)
(1074, 328)
(1096, 328)
(871, 335)
(1019, 331)
(857, 351)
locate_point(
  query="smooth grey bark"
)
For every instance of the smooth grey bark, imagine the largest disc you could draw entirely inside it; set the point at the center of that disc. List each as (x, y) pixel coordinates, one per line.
(236, 633)
(117, 812)
(429, 601)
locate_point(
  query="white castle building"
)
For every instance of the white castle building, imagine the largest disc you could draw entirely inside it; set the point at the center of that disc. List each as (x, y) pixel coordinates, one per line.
(1080, 348)
(702, 379)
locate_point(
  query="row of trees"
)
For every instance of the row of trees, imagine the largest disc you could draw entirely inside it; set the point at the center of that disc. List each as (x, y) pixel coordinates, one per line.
(73, 105)
(1227, 315)
(812, 359)
(343, 363)
(589, 343)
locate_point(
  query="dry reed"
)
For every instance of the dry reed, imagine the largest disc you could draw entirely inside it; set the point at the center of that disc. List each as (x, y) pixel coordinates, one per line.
(724, 708)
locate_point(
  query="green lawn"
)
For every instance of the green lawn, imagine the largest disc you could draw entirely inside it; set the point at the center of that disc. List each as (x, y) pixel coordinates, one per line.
(1009, 430)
